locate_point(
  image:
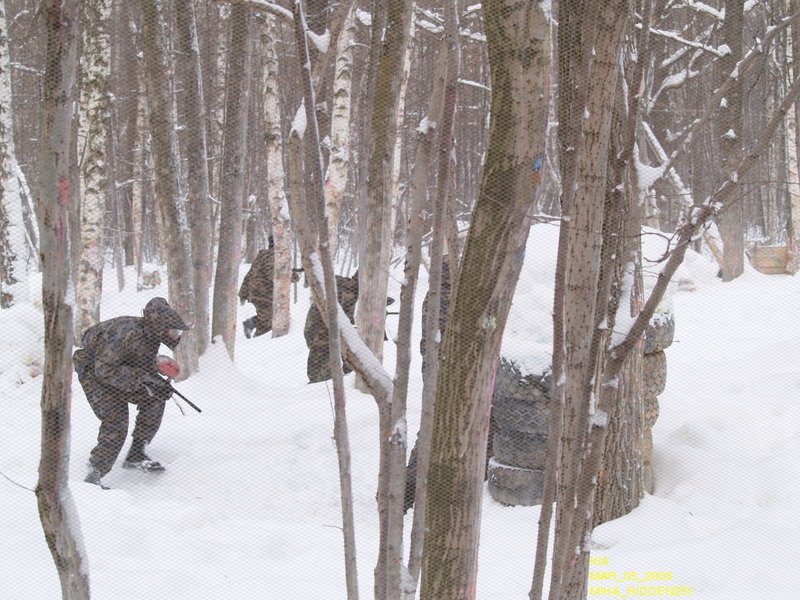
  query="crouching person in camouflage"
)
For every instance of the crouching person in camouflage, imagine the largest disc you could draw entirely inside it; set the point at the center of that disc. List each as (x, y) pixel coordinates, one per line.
(257, 287)
(315, 331)
(117, 366)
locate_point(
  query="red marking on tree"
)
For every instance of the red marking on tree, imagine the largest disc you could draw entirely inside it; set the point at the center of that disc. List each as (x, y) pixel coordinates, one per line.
(63, 188)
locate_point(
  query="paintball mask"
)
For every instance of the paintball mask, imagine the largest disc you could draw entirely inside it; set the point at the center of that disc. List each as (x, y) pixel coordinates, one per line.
(165, 321)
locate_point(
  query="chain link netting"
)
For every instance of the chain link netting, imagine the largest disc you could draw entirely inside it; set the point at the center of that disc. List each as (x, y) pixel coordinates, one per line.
(230, 165)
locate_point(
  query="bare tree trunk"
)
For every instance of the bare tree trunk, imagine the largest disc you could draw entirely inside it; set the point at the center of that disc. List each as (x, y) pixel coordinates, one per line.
(585, 291)
(199, 201)
(418, 198)
(793, 151)
(13, 272)
(232, 191)
(519, 54)
(573, 56)
(389, 46)
(278, 204)
(390, 29)
(125, 126)
(443, 109)
(93, 156)
(620, 482)
(731, 223)
(167, 175)
(57, 514)
(332, 308)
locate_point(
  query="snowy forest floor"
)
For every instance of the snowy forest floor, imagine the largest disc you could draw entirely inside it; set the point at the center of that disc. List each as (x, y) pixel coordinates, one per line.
(248, 506)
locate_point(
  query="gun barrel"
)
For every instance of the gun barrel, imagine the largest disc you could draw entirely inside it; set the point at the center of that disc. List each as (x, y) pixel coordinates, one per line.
(189, 402)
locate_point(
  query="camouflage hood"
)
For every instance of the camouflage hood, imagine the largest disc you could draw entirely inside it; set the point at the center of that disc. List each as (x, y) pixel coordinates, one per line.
(160, 316)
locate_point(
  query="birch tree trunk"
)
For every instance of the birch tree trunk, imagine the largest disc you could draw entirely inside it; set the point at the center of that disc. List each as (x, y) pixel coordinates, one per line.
(278, 204)
(56, 511)
(339, 163)
(793, 152)
(519, 54)
(331, 307)
(93, 150)
(199, 201)
(167, 175)
(226, 284)
(13, 250)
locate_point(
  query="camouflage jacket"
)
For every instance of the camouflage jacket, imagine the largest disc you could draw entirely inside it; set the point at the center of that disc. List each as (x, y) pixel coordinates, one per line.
(315, 330)
(121, 352)
(257, 284)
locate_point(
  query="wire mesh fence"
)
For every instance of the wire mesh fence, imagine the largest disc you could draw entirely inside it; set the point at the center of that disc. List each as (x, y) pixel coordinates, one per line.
(300, 298)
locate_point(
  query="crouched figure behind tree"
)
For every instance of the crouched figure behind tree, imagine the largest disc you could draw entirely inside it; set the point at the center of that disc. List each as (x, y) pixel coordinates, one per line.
(316, 332)
(119, 364)
(444, 306)
(257, 287)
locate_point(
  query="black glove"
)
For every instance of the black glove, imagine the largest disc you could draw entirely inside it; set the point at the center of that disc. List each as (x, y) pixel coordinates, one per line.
(157, 387)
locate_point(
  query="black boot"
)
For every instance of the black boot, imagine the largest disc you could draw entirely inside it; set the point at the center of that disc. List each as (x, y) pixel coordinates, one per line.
(249, 327)
(137, 459)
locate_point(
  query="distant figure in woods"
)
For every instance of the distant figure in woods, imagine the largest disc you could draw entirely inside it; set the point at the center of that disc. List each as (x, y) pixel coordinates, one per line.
(257, 288)
(444, 306)
(119, 365)
(316, 332)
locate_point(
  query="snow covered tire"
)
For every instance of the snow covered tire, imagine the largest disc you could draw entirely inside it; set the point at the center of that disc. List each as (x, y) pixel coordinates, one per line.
(659, 333)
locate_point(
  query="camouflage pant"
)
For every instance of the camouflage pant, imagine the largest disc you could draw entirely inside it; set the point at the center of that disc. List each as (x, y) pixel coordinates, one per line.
(110, 405)
(262, 319)
(318, 367)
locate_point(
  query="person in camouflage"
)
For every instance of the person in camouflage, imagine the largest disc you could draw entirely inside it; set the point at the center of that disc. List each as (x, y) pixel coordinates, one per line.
(316, 332)
(444, 306)
(257, 288)
(117, 366)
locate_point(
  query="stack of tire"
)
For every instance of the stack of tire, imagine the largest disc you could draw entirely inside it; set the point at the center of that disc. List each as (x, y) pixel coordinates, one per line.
(658, 336)
(520, 419)
(521, 416)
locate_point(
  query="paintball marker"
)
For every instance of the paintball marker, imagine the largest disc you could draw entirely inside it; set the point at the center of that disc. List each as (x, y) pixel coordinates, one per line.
(169, 368)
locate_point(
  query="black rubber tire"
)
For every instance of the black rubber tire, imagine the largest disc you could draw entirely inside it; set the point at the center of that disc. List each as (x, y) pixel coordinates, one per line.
(521, 450)
(524, 416)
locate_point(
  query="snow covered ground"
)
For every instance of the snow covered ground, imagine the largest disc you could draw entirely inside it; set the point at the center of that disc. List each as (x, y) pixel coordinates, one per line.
(249, 504)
